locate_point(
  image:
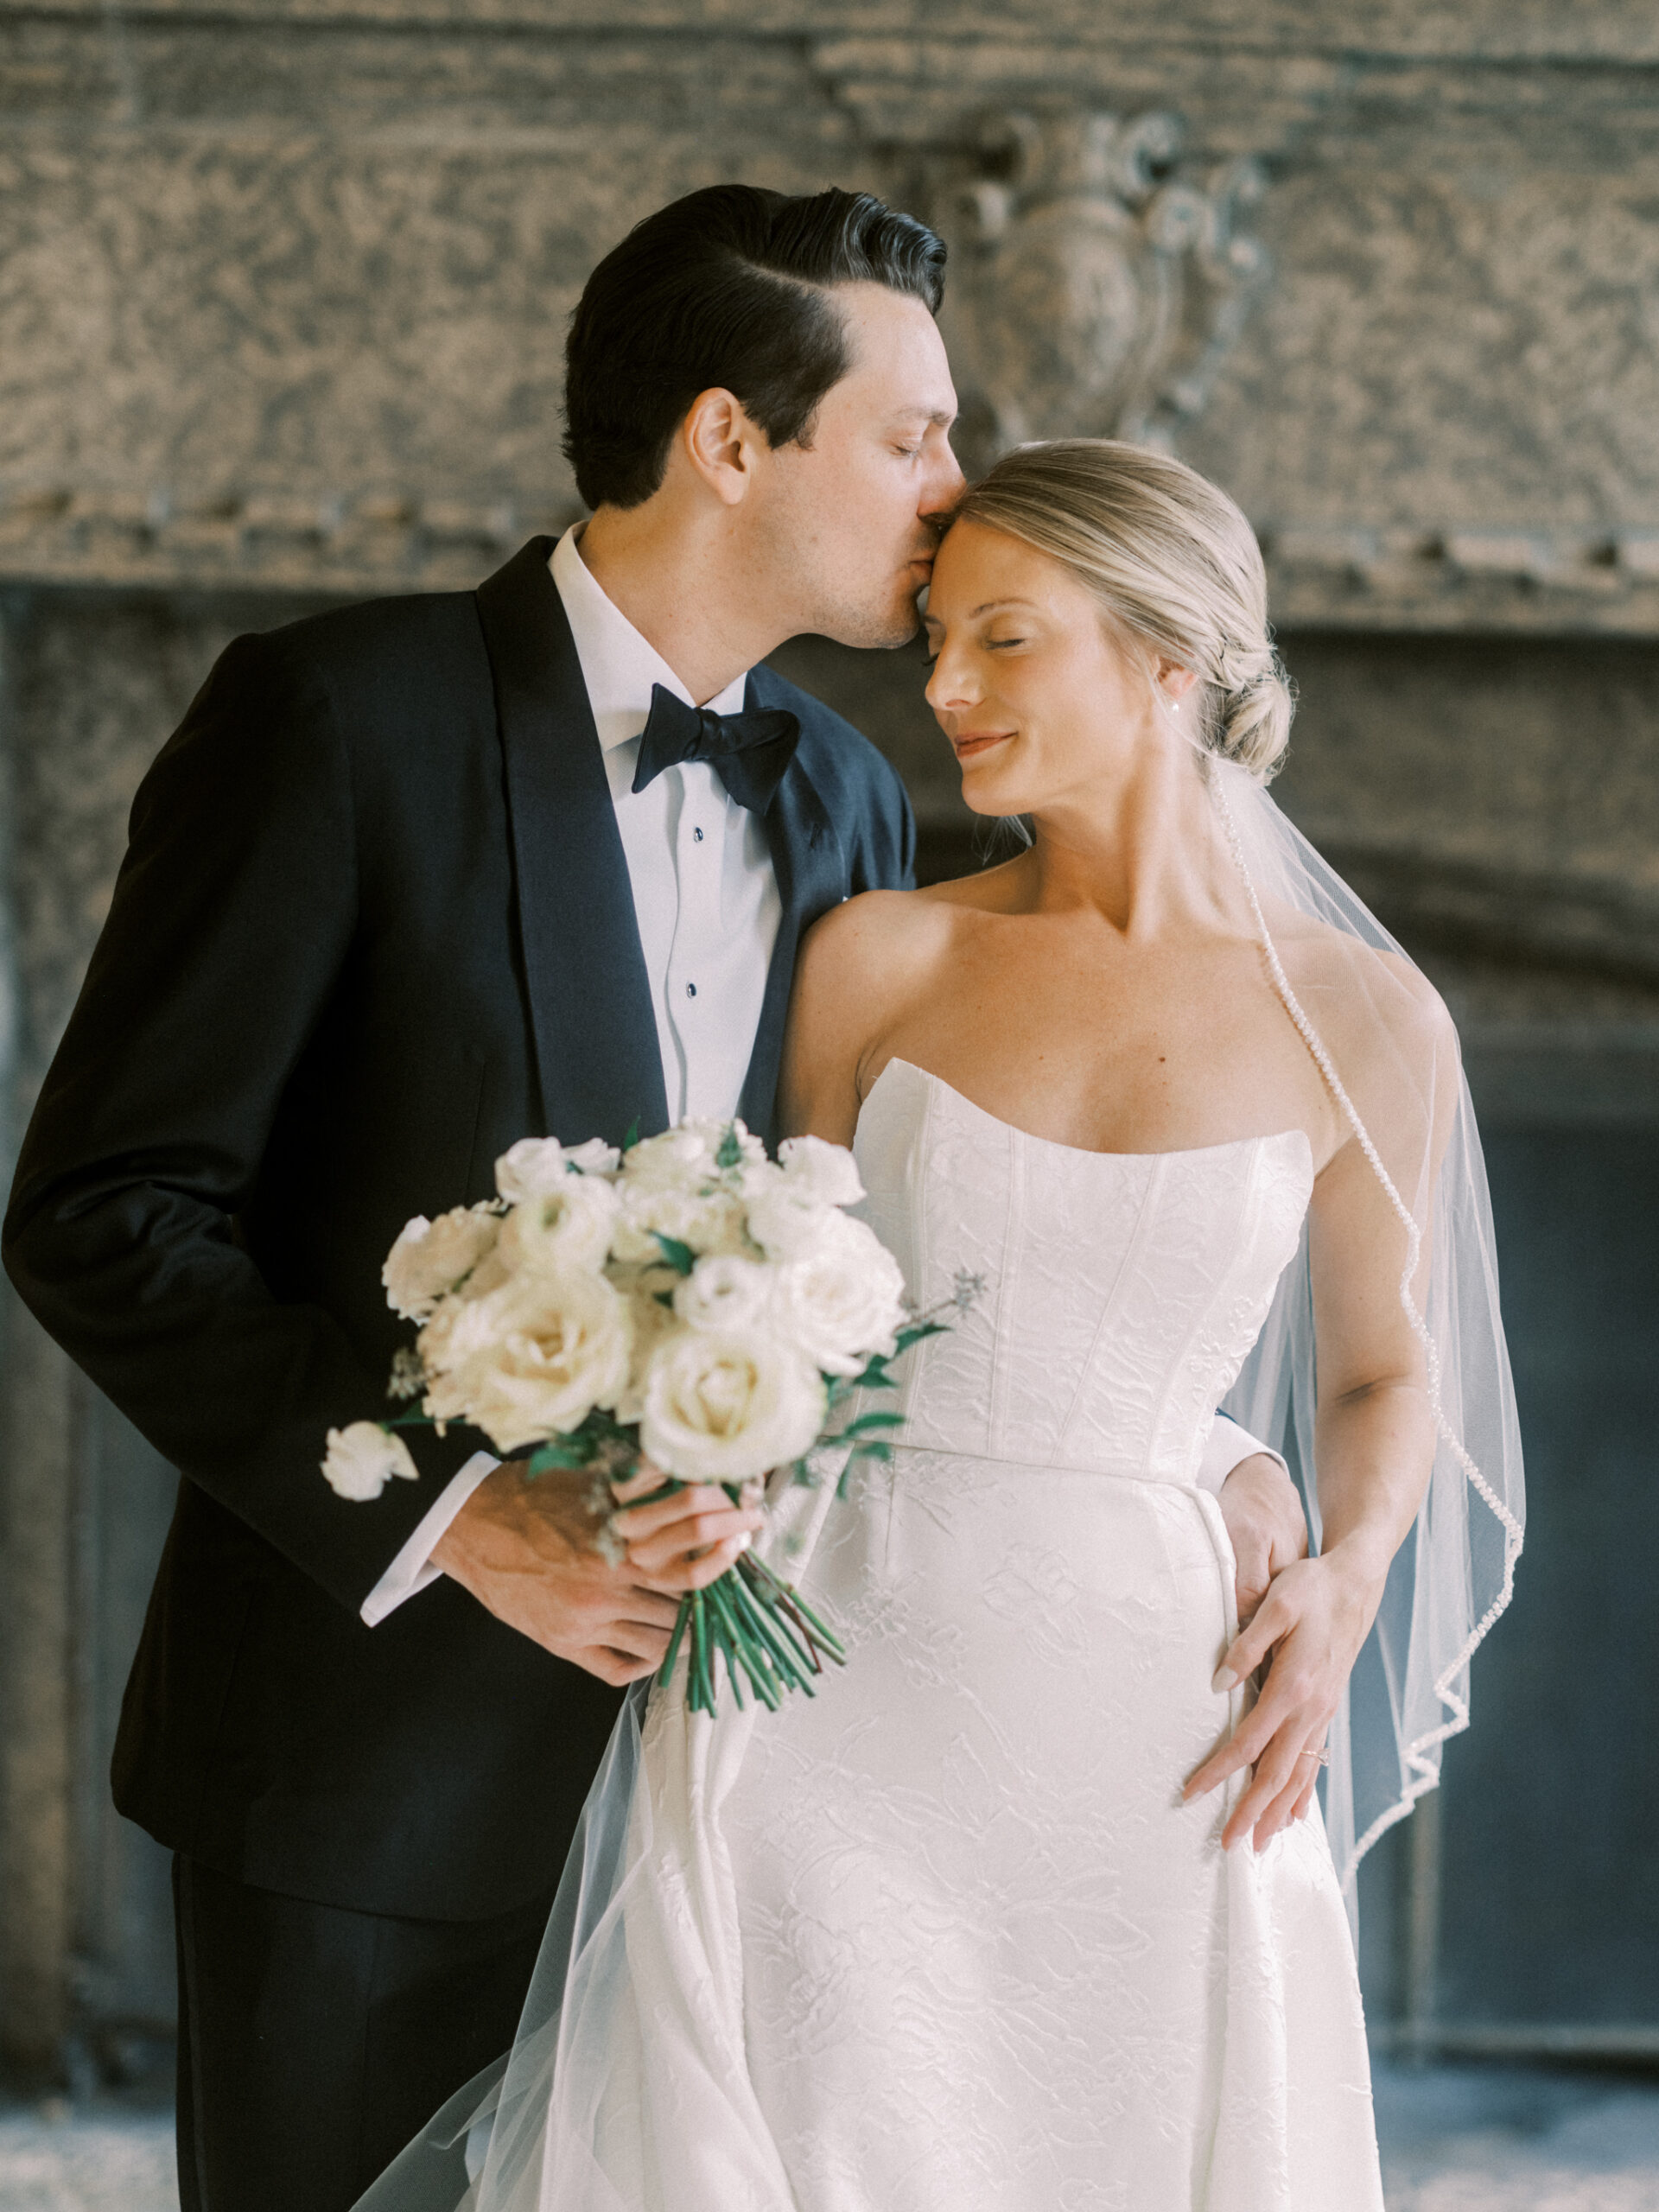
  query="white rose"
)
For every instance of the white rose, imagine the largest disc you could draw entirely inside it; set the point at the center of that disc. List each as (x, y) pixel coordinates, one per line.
(532, 1360)
(727, 1408)
(708, 1221)
(567, 1225)
(724, 1291)
(430, 1257)
(536, 1164)
(827, 1172)
(843, 1298)
(687, 1154)
(362, 1459)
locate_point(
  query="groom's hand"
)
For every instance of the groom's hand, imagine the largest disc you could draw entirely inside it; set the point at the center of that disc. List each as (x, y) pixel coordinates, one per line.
(1263, 1512)
(528, 1550)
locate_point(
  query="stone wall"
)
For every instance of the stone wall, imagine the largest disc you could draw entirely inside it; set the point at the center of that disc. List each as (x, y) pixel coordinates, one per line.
(283, 288)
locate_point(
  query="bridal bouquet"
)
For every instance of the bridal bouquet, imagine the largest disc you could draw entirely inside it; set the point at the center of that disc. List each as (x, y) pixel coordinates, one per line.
(685, 1300)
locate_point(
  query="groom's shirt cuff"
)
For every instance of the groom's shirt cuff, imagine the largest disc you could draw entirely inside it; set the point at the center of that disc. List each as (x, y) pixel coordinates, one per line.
(1228, 1445)
(412, 1569)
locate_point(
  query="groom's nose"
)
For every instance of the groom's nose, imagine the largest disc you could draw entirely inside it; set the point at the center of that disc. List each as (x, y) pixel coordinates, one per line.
(945, 484)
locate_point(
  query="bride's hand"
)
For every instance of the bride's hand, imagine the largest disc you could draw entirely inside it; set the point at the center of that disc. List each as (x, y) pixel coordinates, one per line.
(526, 1550)
(688, 1541)
(1263, 1510)
(1310, 1624)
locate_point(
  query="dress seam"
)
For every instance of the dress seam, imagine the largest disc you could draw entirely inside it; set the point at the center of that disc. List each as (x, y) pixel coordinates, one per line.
(1244, 1245)
(1007, 1291)
(1112, 1304)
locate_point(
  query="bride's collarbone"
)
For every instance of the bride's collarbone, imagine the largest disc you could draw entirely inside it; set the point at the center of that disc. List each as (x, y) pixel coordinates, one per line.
(1101, 1081)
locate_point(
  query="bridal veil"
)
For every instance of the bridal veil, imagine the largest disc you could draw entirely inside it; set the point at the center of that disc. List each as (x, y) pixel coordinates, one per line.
(1407, 1102)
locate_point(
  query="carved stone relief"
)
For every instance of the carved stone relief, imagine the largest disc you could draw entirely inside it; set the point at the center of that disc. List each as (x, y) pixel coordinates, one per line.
(1095, 287)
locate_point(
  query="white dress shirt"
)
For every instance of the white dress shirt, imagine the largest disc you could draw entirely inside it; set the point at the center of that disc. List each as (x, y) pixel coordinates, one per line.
(704, 892)
(706, 898)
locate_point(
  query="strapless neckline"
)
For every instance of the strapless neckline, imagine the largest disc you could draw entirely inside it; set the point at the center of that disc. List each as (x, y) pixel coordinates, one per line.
(1078, 1151)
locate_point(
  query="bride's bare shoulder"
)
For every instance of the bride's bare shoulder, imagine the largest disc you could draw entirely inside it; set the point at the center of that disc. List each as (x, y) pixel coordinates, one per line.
(1370, 1002)
(881, 934)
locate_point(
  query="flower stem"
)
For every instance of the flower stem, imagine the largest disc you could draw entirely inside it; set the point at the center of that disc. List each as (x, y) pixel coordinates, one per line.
(681, 1619)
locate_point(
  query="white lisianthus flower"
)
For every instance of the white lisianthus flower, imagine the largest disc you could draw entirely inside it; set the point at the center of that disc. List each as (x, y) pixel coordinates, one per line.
(431, 1257)
(652, 1320)
(594, 1158)
(538, 1165)
(362, 1459)
(688, 1154)
(457, 1331)
(531, 1360)
(727, 1408)
(785, 1216)
(567, 1225)
(724, 1291)
(708, 1220)
(841, 1299)
(826, 1173)
(673, 1160)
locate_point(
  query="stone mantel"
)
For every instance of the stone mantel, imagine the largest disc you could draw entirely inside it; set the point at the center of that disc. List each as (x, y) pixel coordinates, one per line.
(1506, 30)
(1321, 576)
(284, 284)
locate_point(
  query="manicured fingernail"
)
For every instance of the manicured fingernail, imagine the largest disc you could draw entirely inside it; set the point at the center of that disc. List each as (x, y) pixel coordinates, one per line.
(1225, 1679)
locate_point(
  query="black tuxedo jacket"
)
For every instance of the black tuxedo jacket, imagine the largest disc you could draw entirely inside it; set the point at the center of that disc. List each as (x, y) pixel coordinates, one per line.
(374, 924)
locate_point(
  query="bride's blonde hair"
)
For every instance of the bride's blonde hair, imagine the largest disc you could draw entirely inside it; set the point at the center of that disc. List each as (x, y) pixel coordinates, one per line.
(1173, 564)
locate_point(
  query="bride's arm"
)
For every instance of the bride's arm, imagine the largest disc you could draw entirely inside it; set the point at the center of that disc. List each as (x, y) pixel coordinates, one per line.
(1374, 1447)
(849, 963)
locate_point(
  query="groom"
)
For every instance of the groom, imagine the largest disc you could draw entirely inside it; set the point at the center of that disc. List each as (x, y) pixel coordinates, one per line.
(411, 880)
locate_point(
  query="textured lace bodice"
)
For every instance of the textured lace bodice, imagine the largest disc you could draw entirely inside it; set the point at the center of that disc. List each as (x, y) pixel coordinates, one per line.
(1123, 1290)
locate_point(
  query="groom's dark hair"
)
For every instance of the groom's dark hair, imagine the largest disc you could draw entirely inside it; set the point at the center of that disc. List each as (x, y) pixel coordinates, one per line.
(727, 287)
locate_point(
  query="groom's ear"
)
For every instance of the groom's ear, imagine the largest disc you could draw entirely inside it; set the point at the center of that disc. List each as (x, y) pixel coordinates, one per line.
(721, 444)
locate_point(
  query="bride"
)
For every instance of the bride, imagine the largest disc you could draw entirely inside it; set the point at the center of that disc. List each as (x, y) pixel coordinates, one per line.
(1032, 1909)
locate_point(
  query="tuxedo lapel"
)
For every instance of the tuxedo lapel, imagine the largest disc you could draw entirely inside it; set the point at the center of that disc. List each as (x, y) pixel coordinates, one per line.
(595, 1030)
(812, 871)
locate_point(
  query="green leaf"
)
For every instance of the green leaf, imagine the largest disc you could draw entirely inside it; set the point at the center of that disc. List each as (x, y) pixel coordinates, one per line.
(575, 1450)
(632, 1137)
(914, 1335)
(731, 1152)
(679, 1256)
(875, 1376)
(872, 1450)
(866, 1421)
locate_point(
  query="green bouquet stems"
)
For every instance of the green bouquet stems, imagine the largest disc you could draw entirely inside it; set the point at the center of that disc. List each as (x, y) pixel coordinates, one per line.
(769, 1637)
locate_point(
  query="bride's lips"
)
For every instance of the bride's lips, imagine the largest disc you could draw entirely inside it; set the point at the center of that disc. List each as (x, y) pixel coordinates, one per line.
(970, 743)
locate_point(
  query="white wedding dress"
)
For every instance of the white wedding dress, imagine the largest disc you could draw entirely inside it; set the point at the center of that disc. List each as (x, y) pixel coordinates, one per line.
(945, 1938)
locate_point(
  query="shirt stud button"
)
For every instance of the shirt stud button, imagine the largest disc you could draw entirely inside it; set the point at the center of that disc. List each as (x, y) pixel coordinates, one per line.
(690, 990)
(697, 834)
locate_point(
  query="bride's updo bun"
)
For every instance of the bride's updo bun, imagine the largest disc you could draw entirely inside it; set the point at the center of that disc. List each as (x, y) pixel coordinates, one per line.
(1173, 564)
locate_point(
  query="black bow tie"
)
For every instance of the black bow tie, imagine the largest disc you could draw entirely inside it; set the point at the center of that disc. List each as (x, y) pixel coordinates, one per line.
(749, 752)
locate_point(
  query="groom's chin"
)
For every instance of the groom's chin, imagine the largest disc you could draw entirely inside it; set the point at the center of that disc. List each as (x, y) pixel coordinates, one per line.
(879, 630)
